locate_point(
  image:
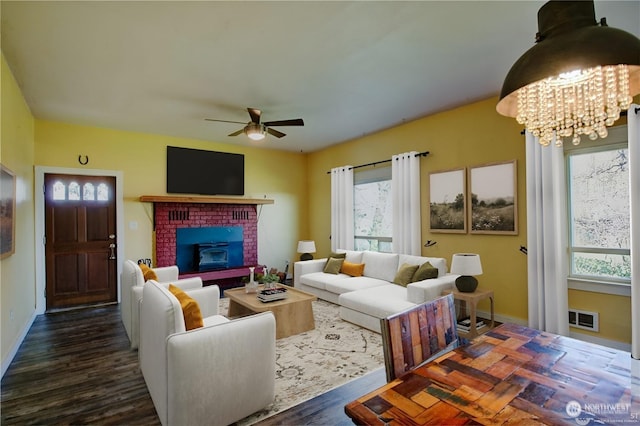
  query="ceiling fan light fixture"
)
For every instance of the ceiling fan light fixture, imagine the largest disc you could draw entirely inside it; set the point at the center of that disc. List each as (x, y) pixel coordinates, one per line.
(255, 131)
(578, 77)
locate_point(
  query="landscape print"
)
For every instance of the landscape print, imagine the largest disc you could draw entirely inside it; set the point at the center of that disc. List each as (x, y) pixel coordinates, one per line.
(493, 199)
(447, 201)
(7, 212)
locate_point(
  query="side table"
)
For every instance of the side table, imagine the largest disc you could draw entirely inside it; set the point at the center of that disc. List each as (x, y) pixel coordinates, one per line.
(471, 300)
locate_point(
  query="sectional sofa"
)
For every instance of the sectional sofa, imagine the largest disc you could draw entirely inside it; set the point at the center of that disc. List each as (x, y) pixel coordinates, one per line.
(369, 294)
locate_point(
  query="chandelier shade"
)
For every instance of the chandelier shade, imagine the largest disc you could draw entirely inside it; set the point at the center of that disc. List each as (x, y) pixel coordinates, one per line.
(577, 78)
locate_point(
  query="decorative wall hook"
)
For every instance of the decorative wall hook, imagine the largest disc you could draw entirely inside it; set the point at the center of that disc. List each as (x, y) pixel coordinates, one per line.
(430, 243)
(86, 160)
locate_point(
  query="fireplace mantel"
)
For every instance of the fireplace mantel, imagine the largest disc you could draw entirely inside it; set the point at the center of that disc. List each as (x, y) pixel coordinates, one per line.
(207, 200)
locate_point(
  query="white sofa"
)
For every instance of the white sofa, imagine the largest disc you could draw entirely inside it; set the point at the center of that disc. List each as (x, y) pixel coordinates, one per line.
(132, 282)
(366, 299)
(213, 375)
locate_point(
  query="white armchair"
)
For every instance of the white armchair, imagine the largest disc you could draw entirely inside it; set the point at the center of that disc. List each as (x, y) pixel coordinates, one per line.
(214, 375)
(132, 282)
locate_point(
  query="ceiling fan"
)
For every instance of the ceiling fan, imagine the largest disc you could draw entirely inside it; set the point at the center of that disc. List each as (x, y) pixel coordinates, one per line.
(257, 130)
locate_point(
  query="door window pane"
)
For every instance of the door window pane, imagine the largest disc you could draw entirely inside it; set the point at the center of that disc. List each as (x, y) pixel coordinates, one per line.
(59, 191)
(74, 191)
(103, 192)
(88, 192)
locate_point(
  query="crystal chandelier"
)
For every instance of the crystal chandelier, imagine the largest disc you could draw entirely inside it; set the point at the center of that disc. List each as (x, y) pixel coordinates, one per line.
(574, 104)
(576, 80)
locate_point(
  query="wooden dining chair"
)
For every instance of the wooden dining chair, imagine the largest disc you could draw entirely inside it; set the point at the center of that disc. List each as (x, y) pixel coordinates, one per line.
(418, 335)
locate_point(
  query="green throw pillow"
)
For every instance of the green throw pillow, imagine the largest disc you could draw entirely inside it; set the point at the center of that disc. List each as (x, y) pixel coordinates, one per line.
(335, 256)
(425, 272)
(405, 274)
(333, 265)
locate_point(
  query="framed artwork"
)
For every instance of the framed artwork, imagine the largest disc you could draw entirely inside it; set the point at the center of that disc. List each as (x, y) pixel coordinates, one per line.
(7, 212)
(447, 201)
(493, 199)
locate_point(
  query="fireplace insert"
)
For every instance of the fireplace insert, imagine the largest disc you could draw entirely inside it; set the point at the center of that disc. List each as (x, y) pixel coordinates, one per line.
(211, 256)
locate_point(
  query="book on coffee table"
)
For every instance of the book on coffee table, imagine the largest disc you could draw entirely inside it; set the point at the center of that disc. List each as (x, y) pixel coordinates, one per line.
(272, 294)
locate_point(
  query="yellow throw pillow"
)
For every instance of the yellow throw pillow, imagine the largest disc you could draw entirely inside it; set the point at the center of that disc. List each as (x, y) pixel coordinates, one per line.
(353, 269)
(190, 308)
(405, 274)
(333, 265)
(148, 273)
(425, 271)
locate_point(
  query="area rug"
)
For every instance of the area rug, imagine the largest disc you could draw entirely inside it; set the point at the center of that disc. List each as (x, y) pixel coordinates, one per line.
(316, 361)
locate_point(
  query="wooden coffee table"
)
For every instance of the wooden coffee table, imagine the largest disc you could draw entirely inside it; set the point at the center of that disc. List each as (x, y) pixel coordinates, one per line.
(293, 315)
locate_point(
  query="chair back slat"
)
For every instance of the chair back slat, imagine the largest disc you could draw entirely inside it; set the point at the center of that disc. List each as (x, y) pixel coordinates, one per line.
(418, 335)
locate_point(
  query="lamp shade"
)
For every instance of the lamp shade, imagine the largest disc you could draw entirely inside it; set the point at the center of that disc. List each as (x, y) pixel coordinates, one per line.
(466, 264)
(306, 246)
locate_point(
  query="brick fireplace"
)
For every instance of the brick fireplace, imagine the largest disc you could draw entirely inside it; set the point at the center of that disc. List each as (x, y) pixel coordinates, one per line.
(171, 216)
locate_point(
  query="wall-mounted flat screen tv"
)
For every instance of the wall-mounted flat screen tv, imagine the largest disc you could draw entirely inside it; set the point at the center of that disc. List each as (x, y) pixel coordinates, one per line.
(196, 171)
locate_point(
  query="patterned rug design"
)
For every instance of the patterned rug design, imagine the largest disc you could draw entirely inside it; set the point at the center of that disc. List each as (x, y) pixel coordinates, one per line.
(314, 362)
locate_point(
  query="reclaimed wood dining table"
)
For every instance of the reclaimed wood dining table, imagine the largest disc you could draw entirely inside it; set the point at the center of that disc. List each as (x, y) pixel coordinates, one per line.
(515, 375)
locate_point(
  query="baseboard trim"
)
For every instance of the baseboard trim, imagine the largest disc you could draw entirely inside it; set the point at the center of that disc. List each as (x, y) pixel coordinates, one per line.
(600, 341)
(622, 346)
(502, 318)
(16, 345)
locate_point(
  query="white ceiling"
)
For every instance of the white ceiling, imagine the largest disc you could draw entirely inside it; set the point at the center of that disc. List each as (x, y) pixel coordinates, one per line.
(347, 68)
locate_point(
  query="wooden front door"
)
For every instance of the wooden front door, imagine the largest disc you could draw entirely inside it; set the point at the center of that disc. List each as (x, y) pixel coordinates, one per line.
(80, 240)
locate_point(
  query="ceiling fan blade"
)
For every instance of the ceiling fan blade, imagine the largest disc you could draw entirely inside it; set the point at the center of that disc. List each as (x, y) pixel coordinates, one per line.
(225, 121)
(294, 122)
(254, 114)
(275, 133)
(236, 133)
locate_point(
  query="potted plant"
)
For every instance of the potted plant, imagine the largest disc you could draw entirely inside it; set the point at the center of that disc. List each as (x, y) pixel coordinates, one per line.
(269, 280)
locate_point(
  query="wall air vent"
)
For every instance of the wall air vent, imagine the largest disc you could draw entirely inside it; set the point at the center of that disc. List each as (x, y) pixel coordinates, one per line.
(584, 319)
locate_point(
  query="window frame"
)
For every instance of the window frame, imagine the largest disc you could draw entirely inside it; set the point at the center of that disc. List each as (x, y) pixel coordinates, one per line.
(617, 139)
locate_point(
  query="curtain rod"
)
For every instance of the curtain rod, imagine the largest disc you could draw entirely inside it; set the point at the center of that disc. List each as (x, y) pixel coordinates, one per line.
(420, 154)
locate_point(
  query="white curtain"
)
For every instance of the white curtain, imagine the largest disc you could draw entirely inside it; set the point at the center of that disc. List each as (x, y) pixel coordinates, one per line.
(342, 208)
(633, 127)
(405, 190)
(547, 237)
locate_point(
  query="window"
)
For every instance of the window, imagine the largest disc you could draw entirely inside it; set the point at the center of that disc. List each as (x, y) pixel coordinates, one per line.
(71, 191)
(599, 219)
(372, 206)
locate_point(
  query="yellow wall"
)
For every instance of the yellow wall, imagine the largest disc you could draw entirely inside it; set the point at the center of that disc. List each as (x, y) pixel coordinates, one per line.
(272, 174)
(17, 289)
(467, 136)
(463, 137)
(614, 314)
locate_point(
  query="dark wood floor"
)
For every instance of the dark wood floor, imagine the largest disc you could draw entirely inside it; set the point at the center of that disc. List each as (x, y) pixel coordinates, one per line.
(75, 367)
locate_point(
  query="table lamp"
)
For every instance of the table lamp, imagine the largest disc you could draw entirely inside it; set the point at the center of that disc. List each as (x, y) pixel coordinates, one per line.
(306, 247)
(466, 265)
